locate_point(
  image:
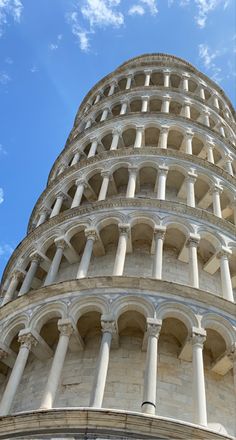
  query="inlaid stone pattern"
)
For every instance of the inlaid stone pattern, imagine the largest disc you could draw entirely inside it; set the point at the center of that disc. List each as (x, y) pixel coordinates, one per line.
(118, 314)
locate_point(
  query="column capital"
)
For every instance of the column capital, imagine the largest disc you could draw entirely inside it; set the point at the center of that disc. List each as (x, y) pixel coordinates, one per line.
(185, 75)
(124, 228)
(192, 176)
(140, 128)
(36, 256)
(81, 181)
(130, 74)
(163, 169)
(164, 129)
(189, 134)
(198, 337)
(91, 234)
(224, 252)
(232, 352)
(132, 169)
(65, 326)
(215, 188)
(26, 339)
(18, 274)
(62, 195)
(117, 130)
(106, 173)
(154, 327)
(108, 324)
(93, 139)
(60, 242)
(147, 71)
(147, 97)
(45, 210)
(159, 232)
(193, 240)
(167, 98)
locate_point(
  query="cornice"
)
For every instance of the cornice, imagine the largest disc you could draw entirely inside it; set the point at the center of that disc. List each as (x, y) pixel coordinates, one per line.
(119, 285)
(120, 118)
(159, 205)
(100, 423)
(129, 152)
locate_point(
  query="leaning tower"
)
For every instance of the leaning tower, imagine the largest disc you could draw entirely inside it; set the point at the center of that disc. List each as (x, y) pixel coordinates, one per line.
(118, 318)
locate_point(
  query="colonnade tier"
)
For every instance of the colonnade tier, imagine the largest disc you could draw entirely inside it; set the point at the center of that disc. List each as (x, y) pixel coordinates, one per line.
(161, 132)
(153, 72)
(153, 176)
(204, 341)
(162, 245)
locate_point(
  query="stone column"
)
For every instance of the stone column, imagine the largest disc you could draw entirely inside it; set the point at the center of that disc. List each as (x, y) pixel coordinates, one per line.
(188, 139)
(228, 165)
(15, 278)
(108, 329)
(76, 158)
(222, 130)
(91, 235)
(121, 250)
(166, 79)
(58, 204)
(130, 193)
(139, 140)
(129, 81)
(202, 92)
(216, 102)
(185, 79)
(88, 124)
(104, 187)
(216, 191)
(145, 102)
(93, 148)
(159, 236)
(163, 138)
(65, 329)
(162, 176)
(98, 97)
(147, 77)
(205, 118)
(232, 356)
(112, 88)
(226, 283)
(199, 394)
(105, 114)
(34, 264)
(55, 264)
(26, 342)
(115, 138)
(124, 107)
(43, 216)
(78, 193)
(192, 245)
(186, 111)
(165, 108)
(190, 182)
(210, 155)
(150, 375)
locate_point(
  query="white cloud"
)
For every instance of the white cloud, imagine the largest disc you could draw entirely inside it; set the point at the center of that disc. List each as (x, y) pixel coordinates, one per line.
(152, 5)
(4, 78)
(5, 250)
(102, 13)
(54, 46)
(204, 7)
(9, 9)
(136, 10)
(1, 195)
(78, 32)
(207, 56)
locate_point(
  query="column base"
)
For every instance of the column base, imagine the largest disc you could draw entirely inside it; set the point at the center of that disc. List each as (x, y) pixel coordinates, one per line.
(148, 408)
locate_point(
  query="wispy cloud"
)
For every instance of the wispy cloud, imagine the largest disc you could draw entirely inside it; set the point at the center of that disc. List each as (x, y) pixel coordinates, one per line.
(55, 45)
(1, 195)
(6, 250)
(9, 9)
(204, 8)
(207, 57)
(34, 69)
(89, 15)
(2, 150)
(4, 77)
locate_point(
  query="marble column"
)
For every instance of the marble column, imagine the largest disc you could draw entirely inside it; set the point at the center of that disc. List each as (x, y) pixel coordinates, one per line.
(215, 102)
(88, 124)
(55, 264)
(190, 182)
(129, 81)
(228, 165)
(159, 236)
(199, 393)
(202, 92)
(139, 140)
(16, 276)
(78, 193)
(192, 245)
(124, 107)
(162, 176)
(26, 342)
(34, 264)
(226, 283)
(185, 79)
(91, 235)
(43, 216)
(163, 138)
(108, 330)
(205, 118)
(112, 88)
(76, 158)
(186, 110)
(167, 79)
(145, 102)
(216, 191)
(188, 139)
(65, 331)
(121, 249)
(147, 77)
(105, 114)
(210, 155)
(150, 374)
(97, 99)
(165, 108)
(104, 186)
(133, 171)
(115, 138)
(93, 148)
(60, 197)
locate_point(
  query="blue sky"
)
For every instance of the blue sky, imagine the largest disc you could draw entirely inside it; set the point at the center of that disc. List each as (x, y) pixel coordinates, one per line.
(52, 53)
